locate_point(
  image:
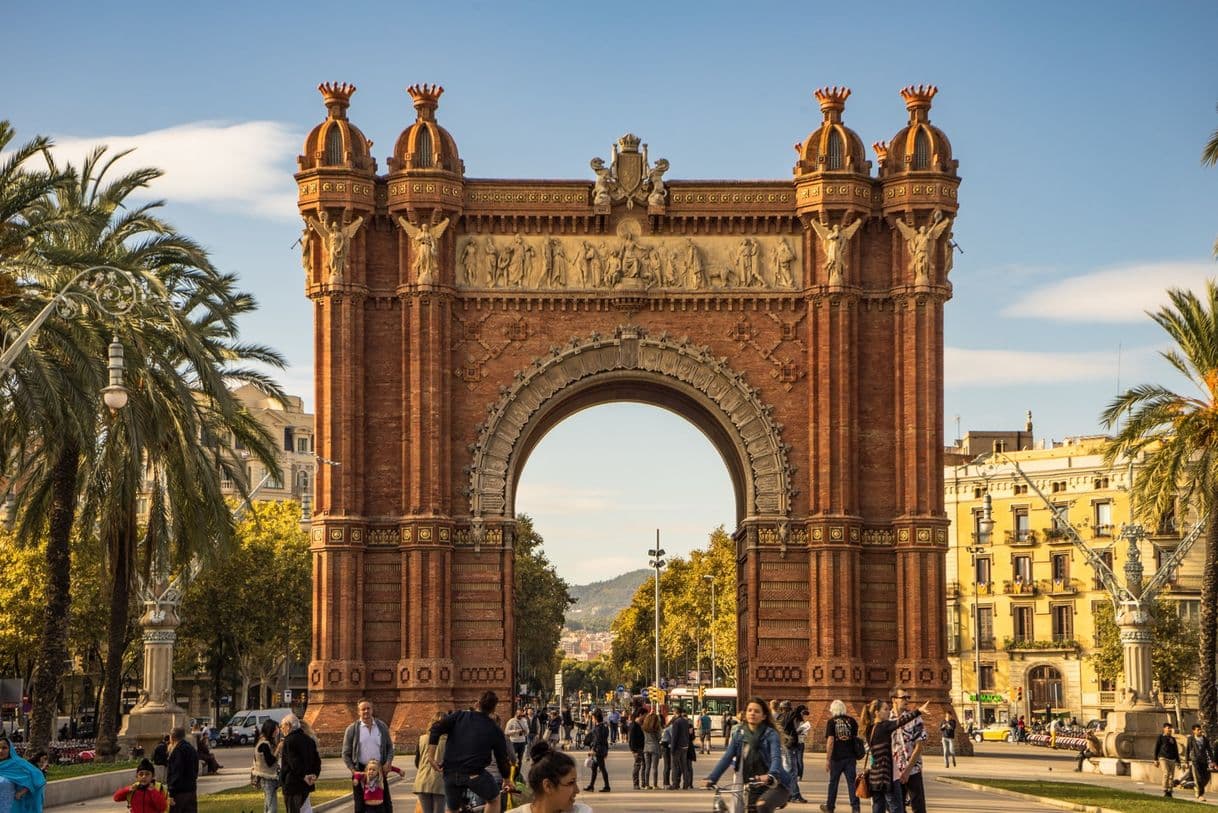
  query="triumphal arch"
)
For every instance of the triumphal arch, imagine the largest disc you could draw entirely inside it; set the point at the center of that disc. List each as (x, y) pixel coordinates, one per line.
(798, 323)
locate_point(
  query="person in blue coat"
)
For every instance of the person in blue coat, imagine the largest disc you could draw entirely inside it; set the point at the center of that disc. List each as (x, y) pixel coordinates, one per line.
(756, 748)
(21, 783)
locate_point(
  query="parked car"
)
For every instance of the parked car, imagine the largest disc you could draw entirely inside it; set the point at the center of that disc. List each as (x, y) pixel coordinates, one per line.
(994, 732)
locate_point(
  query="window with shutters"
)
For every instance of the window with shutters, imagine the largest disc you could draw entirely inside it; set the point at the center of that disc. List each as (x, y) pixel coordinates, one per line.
(334, 146)
(921, 151)
(423, 149)
(836, 158)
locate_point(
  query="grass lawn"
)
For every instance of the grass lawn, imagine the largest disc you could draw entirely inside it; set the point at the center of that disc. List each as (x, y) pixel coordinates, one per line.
(88, 768)
(1079, 793)
(245, 798)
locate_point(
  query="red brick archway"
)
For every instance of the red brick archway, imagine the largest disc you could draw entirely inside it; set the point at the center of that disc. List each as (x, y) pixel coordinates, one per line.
(798, 324)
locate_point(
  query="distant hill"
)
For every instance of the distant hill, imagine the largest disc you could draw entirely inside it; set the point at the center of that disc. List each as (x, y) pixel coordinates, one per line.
(599, 602)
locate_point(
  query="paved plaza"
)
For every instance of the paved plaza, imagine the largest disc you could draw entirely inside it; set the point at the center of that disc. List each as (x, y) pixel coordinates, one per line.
(1003, 760)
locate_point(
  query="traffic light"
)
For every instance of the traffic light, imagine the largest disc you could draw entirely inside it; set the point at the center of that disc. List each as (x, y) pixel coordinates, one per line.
(1019, 694)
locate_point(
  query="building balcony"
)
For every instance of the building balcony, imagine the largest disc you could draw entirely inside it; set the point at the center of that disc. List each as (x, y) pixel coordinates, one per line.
(1057, 536)
(1101, 531)
(953, 589)
(1020, 539)
(985, 589)
(1058, 645)
(1019, 588)
(1062, 587)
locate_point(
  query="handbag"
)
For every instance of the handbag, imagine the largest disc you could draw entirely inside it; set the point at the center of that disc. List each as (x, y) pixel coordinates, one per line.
(862, 790)
(860, 748)
(589, 761)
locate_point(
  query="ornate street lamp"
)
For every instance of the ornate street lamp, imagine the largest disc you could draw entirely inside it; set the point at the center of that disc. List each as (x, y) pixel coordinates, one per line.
(657, 563)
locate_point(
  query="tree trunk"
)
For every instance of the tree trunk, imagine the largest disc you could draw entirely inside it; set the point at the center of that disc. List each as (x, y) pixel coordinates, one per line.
(116, 643)
(53, 647)
(1208, 677)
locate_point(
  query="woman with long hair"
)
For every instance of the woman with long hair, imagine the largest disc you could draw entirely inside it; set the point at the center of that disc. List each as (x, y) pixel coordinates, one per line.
(757, 748)
(428, 782)
(266, 765)
(652, 726)
(553, 780)
(887, 793)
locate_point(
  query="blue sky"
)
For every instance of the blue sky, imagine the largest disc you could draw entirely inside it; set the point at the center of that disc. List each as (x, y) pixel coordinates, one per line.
(1078, 127)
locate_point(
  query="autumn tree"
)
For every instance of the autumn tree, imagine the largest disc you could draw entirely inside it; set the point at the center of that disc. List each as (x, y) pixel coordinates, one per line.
(685, 617)
(541, 598)
(252, 610)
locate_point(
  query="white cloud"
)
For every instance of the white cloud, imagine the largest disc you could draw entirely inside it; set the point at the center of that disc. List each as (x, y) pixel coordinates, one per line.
(965, 367)
(245, 166)
(562, 499)
(1121, 294)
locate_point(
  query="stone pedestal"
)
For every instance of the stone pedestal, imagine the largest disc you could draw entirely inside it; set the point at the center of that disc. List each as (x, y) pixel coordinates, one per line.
(155, 712)
(1131, 733)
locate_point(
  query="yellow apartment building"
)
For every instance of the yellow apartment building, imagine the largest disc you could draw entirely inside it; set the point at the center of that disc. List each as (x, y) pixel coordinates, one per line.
(1021, 604)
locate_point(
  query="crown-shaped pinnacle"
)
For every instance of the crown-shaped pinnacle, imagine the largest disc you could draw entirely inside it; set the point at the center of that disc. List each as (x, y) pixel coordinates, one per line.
(881, 151)
(918, 97)
(832, 99)
(337, 97)
(426, 98)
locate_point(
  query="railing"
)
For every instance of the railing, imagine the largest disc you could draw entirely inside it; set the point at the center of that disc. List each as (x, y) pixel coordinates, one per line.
(1020, 539)
(1107, 699)
(1018, 588)
(1102, 530)
(953, 589)
(985, 589)
(1062, 587)
(1055, 535)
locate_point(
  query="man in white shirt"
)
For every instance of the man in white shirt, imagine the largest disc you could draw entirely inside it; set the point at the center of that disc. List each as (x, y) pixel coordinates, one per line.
(365, 740)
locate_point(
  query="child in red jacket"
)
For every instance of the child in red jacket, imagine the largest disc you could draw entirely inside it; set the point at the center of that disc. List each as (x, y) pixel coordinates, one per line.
(374, 782)
(144, 795)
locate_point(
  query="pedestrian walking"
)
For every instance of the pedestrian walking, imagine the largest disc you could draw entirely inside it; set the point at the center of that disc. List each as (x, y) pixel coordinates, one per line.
(1167, 756)
(681, 742)
(518, 734)
(1200, 756)
(428, 782)
(553, 730)
(947, 730)
(666, 755)
(474, 739)
(567, 724)
(160, 759)
(597, 742)
(264, 771)
(366, 739)
(802, 730)
(615, 725)
(300, 764)
(182, 772)
(704, 731)
(842, 747)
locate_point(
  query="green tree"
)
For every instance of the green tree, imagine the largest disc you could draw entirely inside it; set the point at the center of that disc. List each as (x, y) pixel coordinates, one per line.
(1178, 436)
(541, 598)
(22, 573)
(254, 606)
(1174, 660)
(1209, 157)
(685, 617)
(181, 350)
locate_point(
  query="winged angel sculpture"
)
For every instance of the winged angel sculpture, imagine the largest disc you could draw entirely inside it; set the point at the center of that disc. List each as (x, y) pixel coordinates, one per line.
(426, 240)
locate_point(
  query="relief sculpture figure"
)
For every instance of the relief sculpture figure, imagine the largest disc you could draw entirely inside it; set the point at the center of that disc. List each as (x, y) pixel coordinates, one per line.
(492, 263)
(655, 177)
(920, 242)
(306, 250)
(337, 239)
(693, 264)
(836, 241)
(554, 262)
(784, 260)
(604, 180)
(522, 263)
(426, 245)
(469, 262)
(747, 267)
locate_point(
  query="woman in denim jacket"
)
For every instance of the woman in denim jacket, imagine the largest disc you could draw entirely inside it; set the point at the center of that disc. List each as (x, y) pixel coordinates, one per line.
(756, 748)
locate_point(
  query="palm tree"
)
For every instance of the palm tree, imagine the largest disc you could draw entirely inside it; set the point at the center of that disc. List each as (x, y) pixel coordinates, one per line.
(182, 349)
(1209, 157)
(1178, 434)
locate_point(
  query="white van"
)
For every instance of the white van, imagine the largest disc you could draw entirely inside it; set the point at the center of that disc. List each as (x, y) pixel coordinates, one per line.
(243, 727)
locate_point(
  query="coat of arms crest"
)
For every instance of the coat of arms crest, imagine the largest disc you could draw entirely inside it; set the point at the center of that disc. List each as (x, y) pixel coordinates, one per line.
(631, 179)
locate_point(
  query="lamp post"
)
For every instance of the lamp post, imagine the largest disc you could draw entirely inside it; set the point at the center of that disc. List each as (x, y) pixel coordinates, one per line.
(708, 577)
(657, 563)
(985, 528)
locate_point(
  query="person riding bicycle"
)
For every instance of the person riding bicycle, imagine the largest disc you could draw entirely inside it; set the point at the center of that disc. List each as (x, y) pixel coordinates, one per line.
(473, 738)
(757, 748)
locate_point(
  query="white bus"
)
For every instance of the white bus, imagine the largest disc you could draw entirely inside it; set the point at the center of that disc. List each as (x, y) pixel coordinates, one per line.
(717, 701)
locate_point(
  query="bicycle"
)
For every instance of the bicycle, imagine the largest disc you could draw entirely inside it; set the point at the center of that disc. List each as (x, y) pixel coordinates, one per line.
(736, 798)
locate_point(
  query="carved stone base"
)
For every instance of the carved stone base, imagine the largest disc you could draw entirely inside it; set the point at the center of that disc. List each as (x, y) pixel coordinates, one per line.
(1131, 733)
(146, 726)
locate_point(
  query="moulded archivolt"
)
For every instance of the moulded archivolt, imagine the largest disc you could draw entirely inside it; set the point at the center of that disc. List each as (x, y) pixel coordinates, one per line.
(756, 436)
